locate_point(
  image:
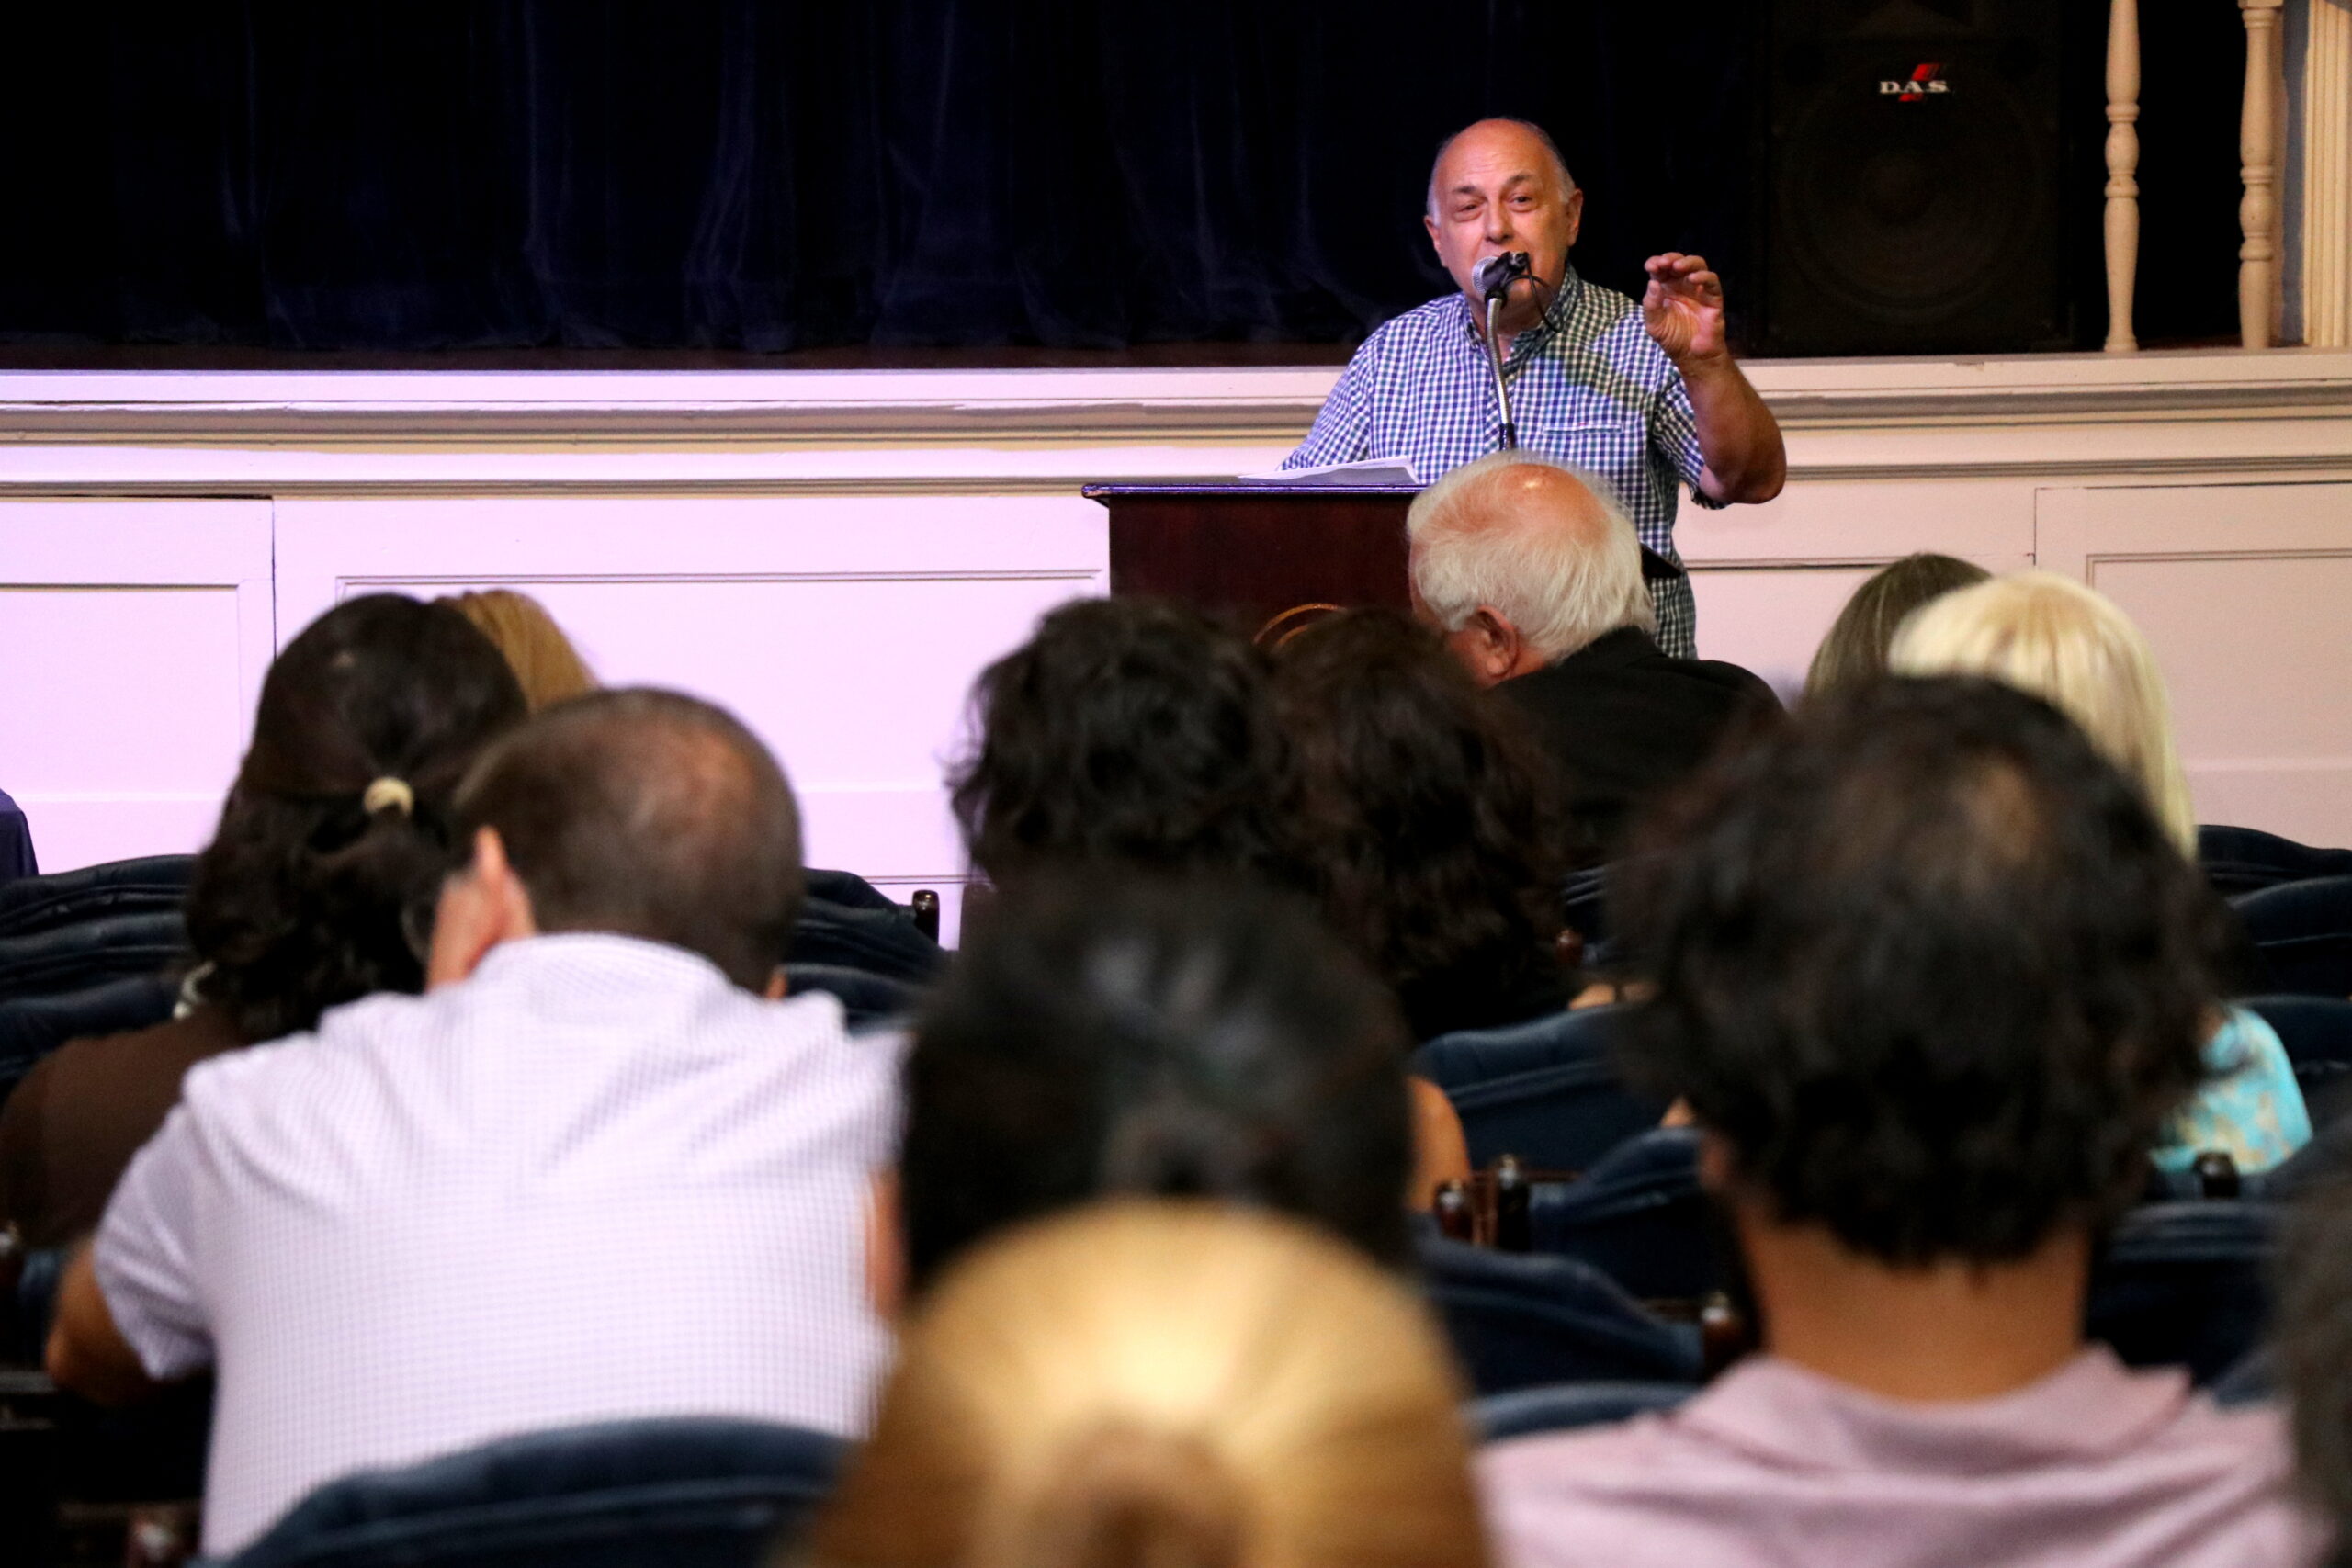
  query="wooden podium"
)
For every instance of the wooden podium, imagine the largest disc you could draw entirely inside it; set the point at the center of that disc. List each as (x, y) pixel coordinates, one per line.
(1253, 551)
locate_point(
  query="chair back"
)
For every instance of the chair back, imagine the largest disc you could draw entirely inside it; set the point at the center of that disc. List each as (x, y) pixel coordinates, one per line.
(1564, 1407)
(1640, 1217)
(884, 940)
(1546, 1091)
(2304, 930)
(2247, 860)
(150, 884)
(2184, 1284)
(666, 1493)
(1518, 1320)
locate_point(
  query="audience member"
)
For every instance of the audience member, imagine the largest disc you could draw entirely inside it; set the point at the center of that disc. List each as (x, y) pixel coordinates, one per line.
(1532, 572)
(1123, 1034)
(1137, 733)
(544, 660)
(2311, 1357)
(1127, 731)
(16, 856)
(1855, 650)
(591, 1174)
(1918, 1121)
(2072, 647)
(1432, 814)
(332, 840)
(1162, 1385)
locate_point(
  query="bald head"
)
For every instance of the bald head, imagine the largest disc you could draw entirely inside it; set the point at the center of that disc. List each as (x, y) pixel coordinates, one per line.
(647, 814)
(1527, 546)
(1525, 147)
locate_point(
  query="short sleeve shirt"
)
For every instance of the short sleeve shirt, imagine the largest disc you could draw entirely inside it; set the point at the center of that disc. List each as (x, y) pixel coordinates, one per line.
(1589, 386)
(594, 1181)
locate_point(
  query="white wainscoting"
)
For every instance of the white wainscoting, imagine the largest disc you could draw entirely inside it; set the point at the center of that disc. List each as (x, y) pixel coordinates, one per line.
(835, 554)
(133, 638)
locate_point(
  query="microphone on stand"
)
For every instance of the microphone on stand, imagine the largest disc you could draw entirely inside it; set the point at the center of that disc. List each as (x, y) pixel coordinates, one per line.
(1494, 276)
(1493, 279)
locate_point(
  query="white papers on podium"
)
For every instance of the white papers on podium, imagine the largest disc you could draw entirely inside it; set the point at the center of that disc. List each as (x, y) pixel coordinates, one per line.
(1371, 473)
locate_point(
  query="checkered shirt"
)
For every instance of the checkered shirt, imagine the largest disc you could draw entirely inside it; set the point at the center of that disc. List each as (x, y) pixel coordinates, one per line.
(1588, 385)
(594, 1181)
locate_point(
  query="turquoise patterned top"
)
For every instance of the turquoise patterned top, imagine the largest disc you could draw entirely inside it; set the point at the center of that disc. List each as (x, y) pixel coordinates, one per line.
(2251, 1109)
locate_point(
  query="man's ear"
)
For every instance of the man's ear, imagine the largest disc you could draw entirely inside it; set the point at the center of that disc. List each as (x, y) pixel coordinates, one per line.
(1575, 203)
(481, 906)
(1436, 244)
(1497, 645)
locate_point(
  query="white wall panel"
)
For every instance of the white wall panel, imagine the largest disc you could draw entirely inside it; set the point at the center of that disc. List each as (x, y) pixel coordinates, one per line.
(2243, 591)
(134, 637)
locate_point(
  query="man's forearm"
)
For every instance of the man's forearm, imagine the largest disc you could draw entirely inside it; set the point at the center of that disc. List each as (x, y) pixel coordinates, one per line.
(1738, 435)
(86, 1353)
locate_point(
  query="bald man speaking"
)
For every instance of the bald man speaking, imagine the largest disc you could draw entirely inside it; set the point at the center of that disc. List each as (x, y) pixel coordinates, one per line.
(1648, 397)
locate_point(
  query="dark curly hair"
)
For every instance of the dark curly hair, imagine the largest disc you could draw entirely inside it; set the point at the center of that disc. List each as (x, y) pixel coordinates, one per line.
(1153, 1037)
(1432, 819)
(2311, 1342)
(305, 898)
(1126, 730)
(1927, 965)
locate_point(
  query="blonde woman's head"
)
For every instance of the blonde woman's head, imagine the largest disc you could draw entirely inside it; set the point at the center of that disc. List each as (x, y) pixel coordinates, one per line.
(1163, 1386)
(2070, 647)
(546, 664)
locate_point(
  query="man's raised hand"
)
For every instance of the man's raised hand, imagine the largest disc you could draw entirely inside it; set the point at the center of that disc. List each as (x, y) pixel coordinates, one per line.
(1684, 307)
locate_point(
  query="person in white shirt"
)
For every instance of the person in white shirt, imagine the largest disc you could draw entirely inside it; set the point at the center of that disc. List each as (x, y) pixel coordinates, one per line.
(593, 1173)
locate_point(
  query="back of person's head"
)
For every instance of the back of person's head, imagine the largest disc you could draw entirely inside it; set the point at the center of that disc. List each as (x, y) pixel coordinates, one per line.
(550, 668)
(1132, 1034)
(1162, 1385)
(2311, 1347)
(647, 814)
(334, 836)
(2070, 645)
(1543, 545)
(1927, 967)
(1430, 813)
(1128, 730)
(1855, 650)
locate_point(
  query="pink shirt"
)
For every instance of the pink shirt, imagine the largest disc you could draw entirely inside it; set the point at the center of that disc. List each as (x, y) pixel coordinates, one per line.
(2095, 1466)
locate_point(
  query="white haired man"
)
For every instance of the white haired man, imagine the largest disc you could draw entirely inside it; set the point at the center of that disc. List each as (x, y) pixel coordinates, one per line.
(1533, 575)
(1646, 396)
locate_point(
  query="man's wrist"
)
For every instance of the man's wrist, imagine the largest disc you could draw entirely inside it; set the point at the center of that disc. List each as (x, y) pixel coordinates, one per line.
(1714, 365)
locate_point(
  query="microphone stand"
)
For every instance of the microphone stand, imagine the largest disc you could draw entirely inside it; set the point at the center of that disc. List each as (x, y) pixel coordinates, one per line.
(1495, 359)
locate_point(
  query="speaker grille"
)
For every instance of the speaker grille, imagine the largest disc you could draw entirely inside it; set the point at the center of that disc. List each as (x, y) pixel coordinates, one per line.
(1914, 195)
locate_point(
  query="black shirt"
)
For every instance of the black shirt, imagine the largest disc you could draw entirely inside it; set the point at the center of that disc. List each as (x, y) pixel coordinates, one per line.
(1624, 722)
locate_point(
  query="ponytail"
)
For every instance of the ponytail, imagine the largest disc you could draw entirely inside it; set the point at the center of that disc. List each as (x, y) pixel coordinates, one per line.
(1127, 1498)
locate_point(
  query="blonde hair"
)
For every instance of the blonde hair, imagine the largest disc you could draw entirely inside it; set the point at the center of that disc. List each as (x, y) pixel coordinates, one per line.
(1163, 1386)
(545, 663)
(2070, 645)
(1562, 576)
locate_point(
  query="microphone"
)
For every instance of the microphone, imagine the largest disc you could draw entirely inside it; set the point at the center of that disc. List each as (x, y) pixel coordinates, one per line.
(1494, 276)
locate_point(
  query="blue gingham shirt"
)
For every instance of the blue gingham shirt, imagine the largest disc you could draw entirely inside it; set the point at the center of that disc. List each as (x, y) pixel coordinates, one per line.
(1588, 385)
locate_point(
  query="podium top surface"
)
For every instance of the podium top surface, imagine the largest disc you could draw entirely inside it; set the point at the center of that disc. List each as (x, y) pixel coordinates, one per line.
(1254, 488)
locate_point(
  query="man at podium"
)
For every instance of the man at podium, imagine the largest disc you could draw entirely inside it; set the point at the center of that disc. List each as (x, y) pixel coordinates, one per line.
(1647, 396)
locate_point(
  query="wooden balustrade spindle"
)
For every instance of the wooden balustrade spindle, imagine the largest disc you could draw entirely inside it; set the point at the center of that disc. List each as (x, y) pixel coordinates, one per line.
(2122, 167)
(2258, 158)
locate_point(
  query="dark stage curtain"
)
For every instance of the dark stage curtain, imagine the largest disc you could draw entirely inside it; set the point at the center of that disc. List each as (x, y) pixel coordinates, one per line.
(721, 173)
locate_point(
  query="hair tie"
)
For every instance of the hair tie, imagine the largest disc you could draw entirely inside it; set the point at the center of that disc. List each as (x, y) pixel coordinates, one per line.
(392, 792)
